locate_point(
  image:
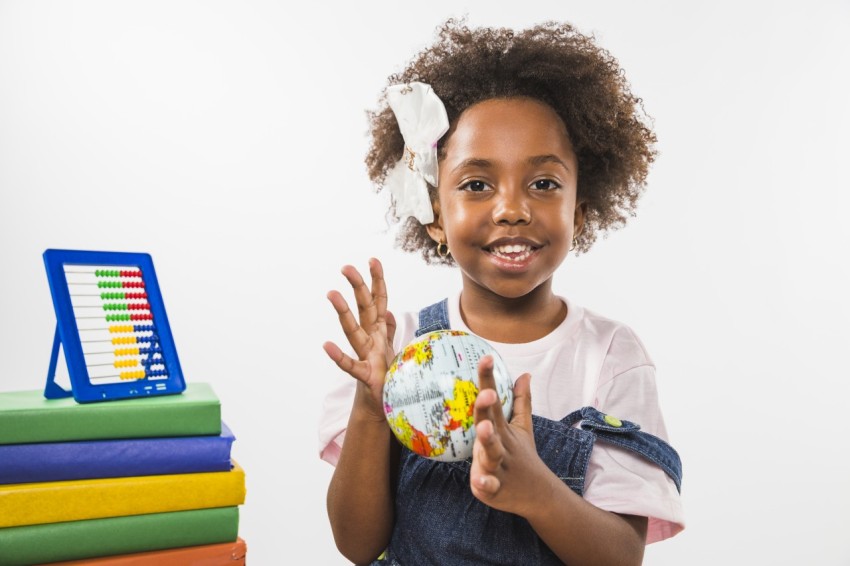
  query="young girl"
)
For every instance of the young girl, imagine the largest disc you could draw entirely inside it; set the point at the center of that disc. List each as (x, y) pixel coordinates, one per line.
(505, 151)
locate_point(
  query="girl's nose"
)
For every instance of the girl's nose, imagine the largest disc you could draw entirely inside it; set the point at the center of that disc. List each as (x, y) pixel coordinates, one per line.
(511, 207)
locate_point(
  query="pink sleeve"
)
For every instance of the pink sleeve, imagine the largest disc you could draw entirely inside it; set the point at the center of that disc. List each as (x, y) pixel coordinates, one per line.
(334, 418)
(620, 481)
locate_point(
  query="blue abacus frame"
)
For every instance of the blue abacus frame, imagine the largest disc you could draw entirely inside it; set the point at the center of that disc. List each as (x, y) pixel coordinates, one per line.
(67, 333)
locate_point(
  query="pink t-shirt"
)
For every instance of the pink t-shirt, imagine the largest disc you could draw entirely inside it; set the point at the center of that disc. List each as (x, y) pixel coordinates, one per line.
(586, 360)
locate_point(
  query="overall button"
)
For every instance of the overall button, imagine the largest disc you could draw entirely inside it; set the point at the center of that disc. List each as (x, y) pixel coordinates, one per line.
(612, 421)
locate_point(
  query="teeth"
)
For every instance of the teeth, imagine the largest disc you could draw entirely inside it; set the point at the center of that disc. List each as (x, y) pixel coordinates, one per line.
(514, 249)
(515, 252)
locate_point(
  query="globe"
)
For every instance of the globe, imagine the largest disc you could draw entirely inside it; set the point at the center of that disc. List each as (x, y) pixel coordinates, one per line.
(430, 389)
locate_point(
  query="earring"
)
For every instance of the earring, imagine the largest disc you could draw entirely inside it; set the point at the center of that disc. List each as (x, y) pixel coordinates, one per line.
(575, 243)
(443, 249)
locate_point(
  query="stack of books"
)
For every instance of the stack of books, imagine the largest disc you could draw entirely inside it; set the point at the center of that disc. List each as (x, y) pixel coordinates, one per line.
(137, 481)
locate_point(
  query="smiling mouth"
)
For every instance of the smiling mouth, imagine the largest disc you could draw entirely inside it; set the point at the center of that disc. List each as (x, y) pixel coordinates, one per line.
(512, 252)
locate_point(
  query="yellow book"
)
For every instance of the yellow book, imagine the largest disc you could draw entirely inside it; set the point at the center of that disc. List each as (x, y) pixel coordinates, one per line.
(77, 500)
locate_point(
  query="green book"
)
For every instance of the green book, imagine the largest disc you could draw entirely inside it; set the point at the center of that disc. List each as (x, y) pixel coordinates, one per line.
(52, 542)
(27, 417)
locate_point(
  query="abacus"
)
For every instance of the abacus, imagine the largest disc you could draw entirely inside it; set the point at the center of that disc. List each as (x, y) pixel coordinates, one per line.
(112, 326)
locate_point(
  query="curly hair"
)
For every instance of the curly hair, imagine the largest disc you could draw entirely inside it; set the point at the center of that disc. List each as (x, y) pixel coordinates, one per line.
(551, 62)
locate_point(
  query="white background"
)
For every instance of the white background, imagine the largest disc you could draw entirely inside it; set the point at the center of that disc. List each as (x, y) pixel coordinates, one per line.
(227, 139)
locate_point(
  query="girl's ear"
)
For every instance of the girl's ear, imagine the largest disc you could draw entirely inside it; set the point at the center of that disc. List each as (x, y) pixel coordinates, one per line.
(578, 218)
(435, 229)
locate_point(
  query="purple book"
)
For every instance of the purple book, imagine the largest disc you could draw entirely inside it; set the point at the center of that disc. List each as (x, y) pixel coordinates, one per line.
(59, 461)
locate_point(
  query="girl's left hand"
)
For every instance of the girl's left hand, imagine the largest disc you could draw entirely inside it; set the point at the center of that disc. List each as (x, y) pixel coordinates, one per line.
(504, 456)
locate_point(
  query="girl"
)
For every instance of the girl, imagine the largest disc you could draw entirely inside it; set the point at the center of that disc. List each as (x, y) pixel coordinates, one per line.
(504, 151)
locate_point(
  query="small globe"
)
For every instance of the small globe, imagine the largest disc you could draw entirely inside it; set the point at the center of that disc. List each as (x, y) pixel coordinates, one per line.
(430, 389)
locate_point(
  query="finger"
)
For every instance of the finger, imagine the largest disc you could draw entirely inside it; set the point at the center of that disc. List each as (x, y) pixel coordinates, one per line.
(391, 326)
(485, 373)
(379, 289)
(522, 402)
(485, 486)
(354, 333)
(488, 451)
(356, 369)
(366, 310)
(491, 408)
(484, 403)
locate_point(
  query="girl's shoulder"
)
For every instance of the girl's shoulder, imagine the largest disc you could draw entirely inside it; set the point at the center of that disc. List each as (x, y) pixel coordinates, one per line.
(624, 349)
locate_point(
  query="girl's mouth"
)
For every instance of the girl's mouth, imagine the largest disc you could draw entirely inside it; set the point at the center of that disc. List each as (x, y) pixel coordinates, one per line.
(512, 252)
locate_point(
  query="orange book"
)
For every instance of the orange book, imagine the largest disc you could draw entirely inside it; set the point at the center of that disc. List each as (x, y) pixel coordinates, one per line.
(226, 554)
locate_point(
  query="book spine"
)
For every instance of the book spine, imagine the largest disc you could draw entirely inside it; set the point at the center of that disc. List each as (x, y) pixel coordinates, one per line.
(37, 544)
(77, 500)
(229, 554)
(27, 418)
(59, 461)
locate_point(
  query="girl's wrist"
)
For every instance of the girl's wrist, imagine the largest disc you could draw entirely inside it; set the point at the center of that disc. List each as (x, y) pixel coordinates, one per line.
(546, 488)
(364, 412)
(366, 416)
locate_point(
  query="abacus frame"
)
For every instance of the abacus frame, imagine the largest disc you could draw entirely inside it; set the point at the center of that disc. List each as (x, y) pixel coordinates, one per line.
(67, 333)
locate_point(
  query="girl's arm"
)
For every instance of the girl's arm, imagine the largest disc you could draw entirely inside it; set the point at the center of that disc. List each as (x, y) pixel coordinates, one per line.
(508, 474)
(360, 501)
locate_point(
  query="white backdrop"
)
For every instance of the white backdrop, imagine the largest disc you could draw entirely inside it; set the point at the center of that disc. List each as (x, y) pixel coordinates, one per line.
(227, 139)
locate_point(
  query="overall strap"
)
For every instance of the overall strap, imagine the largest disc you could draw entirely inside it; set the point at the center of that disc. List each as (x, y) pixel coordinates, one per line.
(628, 435)
(434, 317)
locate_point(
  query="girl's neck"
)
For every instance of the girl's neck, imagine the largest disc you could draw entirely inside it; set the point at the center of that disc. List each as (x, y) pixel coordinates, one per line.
(512, 320)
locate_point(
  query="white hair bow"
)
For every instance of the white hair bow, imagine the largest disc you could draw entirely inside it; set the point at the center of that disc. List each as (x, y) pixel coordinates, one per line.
(422, 120)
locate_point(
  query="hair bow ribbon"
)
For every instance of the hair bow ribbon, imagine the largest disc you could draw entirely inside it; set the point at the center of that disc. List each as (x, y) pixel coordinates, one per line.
(422, 120)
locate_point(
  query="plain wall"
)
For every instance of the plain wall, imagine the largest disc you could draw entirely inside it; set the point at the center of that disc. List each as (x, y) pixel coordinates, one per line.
(227, 139)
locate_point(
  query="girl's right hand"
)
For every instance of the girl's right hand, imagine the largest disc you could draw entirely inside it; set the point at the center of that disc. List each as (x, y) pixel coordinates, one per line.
(370, 335)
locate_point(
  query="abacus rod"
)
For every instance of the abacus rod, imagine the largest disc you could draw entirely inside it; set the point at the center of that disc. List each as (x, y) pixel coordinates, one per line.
(111, 268)
(141, 339)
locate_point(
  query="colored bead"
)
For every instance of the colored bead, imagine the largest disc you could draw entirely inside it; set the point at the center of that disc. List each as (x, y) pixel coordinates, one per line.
(132, 374)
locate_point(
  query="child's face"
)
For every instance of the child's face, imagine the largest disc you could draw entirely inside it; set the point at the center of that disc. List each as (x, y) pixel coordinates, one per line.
(507, 195)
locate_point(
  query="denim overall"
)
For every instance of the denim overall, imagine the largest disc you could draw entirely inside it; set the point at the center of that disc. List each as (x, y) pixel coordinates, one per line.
(439, 521)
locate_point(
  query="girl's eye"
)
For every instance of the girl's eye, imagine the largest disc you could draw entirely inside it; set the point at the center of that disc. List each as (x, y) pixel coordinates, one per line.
(545, 185)
(475, 186)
